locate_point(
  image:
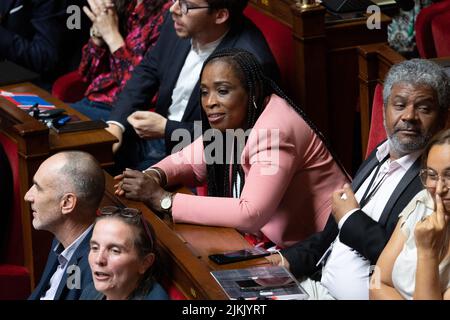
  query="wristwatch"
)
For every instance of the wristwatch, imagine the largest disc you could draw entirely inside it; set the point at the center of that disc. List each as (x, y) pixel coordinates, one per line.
(166, 203)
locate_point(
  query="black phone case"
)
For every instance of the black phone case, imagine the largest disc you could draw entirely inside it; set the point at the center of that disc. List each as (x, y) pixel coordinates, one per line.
(221, 259)
(51, 113)
(81, 126)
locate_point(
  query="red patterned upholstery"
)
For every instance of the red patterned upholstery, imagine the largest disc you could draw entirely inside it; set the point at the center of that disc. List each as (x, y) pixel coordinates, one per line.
(377, 132)
(14, 277)
(69, 87)
(432, 30)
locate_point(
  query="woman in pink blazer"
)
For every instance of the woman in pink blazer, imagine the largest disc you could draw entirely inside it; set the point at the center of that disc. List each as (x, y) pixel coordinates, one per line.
(268, 169)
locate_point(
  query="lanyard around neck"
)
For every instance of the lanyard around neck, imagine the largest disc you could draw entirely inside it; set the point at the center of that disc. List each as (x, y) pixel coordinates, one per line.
(368, 195)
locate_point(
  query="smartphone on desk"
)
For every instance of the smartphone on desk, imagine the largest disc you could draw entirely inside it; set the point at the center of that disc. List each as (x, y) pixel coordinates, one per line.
(239, 255)
(261, 284)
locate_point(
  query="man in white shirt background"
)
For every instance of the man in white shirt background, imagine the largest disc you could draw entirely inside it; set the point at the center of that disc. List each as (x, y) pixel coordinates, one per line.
(171, 70)
(336, 263)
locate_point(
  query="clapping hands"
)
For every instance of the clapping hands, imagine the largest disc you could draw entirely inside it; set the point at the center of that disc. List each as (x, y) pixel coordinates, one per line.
(105, 23)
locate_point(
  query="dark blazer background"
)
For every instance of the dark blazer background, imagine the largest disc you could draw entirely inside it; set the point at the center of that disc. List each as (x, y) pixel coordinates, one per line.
(80, 259)
(31, 35)
(359, 232)
(160, 68)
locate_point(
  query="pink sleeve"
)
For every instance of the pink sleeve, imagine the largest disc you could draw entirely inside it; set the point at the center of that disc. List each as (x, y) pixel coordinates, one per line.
(265, 185)
(185, 167)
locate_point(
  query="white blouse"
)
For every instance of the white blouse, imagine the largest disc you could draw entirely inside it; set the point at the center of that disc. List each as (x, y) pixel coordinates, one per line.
(404, 270)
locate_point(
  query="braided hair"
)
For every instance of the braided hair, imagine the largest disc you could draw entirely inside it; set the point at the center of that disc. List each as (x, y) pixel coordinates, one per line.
(258, 87)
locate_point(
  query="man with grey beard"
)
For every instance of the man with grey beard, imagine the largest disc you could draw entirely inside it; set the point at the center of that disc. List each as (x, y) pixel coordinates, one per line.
(336, 263)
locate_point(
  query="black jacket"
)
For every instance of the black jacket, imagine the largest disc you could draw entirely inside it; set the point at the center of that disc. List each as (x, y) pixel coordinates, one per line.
(359, 232)
(31, 32)
(78, 272)
(159, 70)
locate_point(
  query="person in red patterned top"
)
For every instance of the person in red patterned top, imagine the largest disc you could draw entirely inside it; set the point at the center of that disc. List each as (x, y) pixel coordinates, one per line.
(122, 32)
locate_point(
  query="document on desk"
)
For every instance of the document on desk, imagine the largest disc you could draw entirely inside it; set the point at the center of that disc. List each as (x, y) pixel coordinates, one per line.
(26, 100)
(267, 282)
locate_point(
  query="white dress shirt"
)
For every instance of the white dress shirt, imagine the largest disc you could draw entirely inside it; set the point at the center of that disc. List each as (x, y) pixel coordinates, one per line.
(188, 78)
(346, 272)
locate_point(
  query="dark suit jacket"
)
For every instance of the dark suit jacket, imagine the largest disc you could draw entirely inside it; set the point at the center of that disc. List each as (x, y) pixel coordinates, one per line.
(157, 292)
(359, 232)
(31, 35)
(80, 259)
(160, 68)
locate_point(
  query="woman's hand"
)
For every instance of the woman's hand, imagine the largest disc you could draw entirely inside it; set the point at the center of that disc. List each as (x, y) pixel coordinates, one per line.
(430, 231)
(105, 22)
(138, 186)
(277, 260)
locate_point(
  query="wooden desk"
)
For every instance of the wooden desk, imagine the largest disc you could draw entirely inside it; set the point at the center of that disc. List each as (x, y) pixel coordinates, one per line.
(326, 66)
(374, 61)
(35, 143)
(185, 250)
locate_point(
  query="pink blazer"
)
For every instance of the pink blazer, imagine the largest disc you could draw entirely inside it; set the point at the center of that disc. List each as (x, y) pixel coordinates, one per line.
(287, 193)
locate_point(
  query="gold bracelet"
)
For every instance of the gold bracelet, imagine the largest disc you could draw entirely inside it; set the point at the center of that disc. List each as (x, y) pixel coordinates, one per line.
(157, 172)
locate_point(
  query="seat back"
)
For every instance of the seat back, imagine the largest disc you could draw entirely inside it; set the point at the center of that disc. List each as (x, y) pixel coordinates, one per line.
(428, 36)
(69, 87)
(13, 252)
(440, 28)
(279, 38)
(14, 277)
(377, 132)
(6, 194)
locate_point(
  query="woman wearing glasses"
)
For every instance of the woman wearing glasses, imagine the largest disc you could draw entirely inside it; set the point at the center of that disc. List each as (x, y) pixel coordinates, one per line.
(415, 264)
(122, 257)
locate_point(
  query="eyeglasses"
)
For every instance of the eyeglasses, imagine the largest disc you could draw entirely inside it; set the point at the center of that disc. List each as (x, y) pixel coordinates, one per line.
(430, 178)
(128, 213)
(185, 6)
